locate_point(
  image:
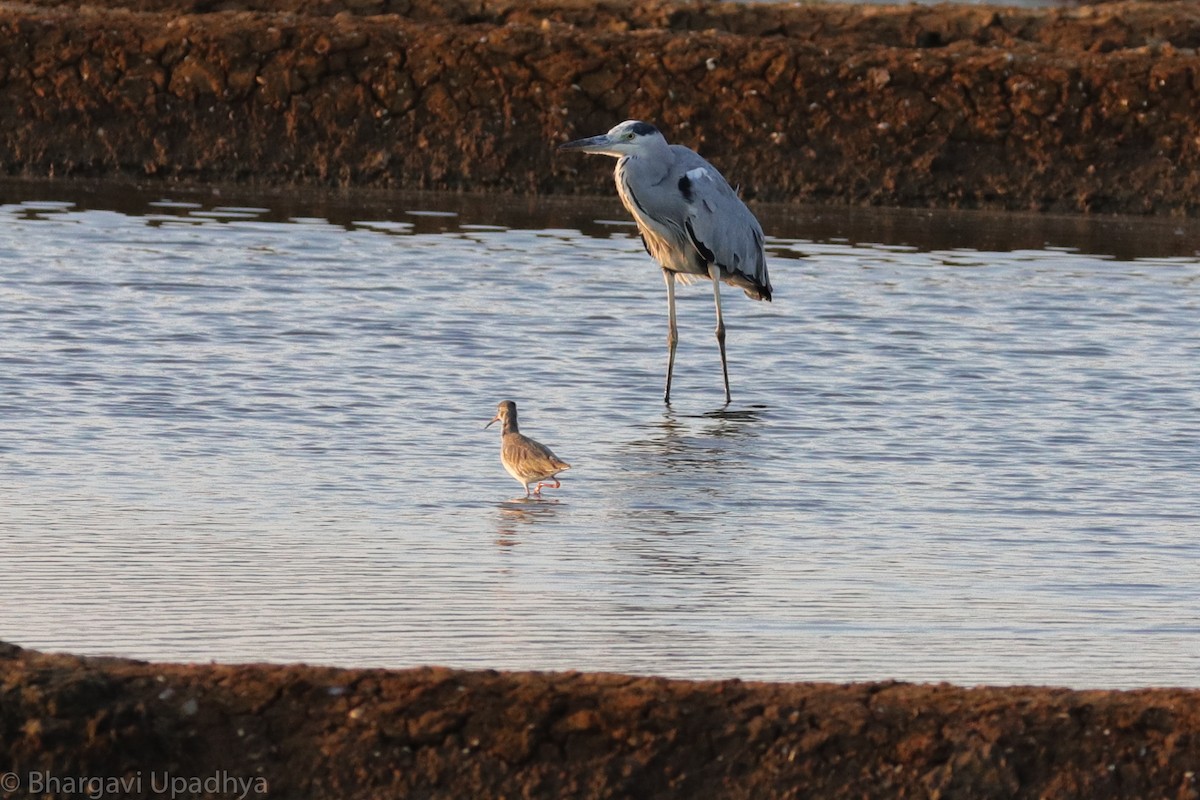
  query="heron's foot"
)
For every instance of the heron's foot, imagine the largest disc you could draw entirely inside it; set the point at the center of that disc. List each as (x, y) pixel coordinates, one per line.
(556, 485)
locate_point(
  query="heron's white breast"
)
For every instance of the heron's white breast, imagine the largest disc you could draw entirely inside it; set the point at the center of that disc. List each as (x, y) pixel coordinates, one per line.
(667, 244)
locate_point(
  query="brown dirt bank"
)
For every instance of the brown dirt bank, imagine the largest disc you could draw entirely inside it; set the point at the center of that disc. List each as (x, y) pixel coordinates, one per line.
(1091, 109)
(439, 733)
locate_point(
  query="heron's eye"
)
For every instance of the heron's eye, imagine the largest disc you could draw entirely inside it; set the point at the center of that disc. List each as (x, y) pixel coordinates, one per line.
(629, 135)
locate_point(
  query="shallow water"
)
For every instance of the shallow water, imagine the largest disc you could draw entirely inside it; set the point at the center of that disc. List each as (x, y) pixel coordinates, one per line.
(962, 447)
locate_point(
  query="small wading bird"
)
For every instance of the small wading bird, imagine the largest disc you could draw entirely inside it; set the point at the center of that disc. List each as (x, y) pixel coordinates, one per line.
(525, 459)
(692, 222)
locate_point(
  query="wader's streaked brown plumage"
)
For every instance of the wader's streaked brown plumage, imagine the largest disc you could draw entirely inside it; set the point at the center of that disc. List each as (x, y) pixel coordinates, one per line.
(525, 459)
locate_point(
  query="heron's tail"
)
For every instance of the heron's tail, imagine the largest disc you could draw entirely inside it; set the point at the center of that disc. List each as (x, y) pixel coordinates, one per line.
(754, 288)
(759, 292)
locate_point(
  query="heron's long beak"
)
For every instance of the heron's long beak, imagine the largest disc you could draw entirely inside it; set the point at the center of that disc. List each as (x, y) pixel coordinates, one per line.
(494, 419)
(592, 144)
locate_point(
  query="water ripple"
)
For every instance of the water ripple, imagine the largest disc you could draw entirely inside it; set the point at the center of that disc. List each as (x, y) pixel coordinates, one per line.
(253, 430)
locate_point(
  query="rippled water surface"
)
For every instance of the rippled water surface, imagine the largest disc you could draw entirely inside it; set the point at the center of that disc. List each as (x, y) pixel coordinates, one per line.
(961, 447)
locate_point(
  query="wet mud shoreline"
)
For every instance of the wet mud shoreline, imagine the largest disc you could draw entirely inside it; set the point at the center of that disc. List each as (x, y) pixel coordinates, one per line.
(1084, 109)
(319, 732)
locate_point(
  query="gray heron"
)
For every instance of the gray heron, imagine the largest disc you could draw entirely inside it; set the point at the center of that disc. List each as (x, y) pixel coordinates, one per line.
(691, 221)
(523, 458)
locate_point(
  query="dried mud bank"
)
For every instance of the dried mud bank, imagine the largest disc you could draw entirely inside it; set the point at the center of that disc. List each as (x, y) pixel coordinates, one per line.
(438, 733)
(1084, 109)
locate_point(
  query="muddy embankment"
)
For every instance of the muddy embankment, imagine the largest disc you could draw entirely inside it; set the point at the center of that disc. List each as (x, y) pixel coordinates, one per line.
(1079, 109)
(436, 733)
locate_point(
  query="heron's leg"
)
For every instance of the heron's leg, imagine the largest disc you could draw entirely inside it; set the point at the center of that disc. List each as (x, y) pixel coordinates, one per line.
(672, 333)
(714, 272)
(556, 485)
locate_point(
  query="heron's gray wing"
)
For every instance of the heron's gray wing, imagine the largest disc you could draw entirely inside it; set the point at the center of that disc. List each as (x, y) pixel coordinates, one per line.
(720, 226)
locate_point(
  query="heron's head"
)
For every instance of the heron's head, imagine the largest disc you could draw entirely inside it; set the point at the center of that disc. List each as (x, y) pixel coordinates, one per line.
(629, 138)
(506, 414)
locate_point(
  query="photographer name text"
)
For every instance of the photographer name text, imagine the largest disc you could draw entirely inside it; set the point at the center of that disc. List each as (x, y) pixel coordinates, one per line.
(138, 784)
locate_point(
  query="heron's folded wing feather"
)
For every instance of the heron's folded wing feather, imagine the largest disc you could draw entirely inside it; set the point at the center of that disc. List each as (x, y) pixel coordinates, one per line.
(722, 228)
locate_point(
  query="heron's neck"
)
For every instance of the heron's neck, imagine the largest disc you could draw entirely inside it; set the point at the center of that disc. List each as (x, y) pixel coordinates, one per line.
(652, 169)
(510, 425)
